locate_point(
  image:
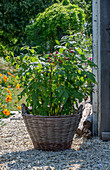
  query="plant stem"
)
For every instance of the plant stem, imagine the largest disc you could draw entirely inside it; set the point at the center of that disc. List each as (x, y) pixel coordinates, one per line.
(50, 90)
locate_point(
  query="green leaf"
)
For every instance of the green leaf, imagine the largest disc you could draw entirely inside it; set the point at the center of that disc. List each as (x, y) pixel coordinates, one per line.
(61, 93)
(32, 51)
(17, 66)
(82, 79)
(34, 97)
(91, 76)
(12, 54)
(60, 87)
(40, 65)
(33, 59)
(79, 71)
(21, 57)
(57, 42)
(61, 50)
(27, 48)
(79, 51)
(66, 44)
(65, 97)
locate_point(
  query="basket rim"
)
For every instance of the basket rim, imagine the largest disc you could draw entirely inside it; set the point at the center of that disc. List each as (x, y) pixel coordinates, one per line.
(58, 116)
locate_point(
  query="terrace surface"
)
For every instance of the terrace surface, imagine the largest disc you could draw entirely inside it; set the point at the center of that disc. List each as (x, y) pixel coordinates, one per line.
(17, 152)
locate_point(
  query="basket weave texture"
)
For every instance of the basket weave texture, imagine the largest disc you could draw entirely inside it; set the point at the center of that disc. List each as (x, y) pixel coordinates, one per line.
(51, 133)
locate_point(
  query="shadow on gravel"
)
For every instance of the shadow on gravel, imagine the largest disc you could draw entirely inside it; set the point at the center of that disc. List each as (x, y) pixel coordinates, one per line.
(29, 159)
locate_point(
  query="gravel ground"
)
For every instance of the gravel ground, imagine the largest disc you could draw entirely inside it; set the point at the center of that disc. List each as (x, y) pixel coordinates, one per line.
(17, 152)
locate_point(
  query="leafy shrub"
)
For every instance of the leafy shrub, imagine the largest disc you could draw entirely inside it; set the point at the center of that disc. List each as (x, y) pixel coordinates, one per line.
(56, 82)
(55, 22)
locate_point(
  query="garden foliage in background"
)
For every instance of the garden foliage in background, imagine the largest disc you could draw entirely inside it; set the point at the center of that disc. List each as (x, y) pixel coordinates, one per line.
(55, 22)
(7, 84)
(14, 16)
(86, 5)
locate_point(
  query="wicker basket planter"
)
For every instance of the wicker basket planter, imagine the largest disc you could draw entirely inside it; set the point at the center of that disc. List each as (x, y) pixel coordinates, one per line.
(51, 133)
